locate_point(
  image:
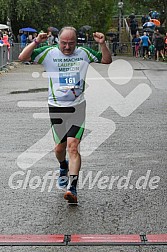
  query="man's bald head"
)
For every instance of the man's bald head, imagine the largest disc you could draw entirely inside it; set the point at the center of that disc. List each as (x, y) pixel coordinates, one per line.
(67, 40)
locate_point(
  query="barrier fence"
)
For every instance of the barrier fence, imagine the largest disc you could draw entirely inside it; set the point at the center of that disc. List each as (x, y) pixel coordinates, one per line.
(84, 240)
(3, 56)
(10, 55)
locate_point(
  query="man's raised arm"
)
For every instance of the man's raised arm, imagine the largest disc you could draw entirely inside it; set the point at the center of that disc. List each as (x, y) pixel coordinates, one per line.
(25, 55)
(106, 54)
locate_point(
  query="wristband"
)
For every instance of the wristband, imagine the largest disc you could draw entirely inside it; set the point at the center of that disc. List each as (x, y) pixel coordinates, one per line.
(35, 41)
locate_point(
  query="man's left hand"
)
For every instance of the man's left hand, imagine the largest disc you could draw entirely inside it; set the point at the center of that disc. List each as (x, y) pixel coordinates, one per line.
(99, 37)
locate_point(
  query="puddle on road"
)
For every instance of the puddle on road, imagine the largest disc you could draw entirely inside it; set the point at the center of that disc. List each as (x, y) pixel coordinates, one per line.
(35, 90)
(149, 69)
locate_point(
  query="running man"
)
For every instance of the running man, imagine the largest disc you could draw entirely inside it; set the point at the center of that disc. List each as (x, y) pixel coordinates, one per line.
(66, 66)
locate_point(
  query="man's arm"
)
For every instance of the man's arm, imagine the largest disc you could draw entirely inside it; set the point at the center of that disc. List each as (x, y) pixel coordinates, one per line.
(25, 55)
(106, 54)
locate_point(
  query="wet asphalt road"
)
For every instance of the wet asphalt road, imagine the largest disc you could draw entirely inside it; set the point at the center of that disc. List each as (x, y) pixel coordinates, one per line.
(117, 199)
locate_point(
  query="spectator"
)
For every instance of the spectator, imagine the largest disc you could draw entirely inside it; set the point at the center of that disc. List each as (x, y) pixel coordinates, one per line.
(165, 45)
(133, 26)
(115, 43)
(154, 15)
(81, 37)
(159, 45)
(50, 36)
(133, 45)
(23, 39)
(11, 38)
(137, 45)
(29, 38)
(5, 40)
(144, 19)
(1, 34)
(145, 42)
(148, 18)
(151, 51)
(150, 13)
(1, 41)
(162, 17)
(131, 17)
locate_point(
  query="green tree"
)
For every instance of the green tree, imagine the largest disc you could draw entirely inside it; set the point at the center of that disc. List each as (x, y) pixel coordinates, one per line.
(41, 14)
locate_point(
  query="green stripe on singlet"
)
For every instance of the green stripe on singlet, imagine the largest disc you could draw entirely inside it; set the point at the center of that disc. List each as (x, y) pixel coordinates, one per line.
(88, 53)
(44, 55)
(80, 131)
(51, 86)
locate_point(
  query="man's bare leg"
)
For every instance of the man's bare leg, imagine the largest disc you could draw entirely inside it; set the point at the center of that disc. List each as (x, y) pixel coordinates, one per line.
(74, 167)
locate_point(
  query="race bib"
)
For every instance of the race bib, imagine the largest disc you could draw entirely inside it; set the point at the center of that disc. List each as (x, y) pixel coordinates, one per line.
(69, 80)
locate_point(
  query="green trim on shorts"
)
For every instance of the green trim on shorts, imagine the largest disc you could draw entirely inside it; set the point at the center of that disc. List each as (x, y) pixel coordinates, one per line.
(55, 136)
(80, 131)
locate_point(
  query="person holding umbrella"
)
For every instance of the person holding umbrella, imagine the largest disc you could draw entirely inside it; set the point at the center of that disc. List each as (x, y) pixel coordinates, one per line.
(23, 39)
(52, 35)
(66, 66)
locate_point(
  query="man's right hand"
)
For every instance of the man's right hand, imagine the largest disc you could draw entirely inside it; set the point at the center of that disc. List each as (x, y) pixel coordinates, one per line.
(25, 55)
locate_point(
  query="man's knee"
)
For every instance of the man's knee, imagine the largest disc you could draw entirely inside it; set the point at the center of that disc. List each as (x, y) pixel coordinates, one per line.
(59, 148)
(72, 146)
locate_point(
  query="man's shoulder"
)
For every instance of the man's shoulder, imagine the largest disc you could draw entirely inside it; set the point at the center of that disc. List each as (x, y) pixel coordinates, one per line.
(91, 54)
(86, 50)
(41, 52)
(84, 47)
(45, 48)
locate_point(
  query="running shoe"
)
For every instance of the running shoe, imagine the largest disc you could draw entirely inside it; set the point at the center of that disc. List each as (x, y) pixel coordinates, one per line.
(63, 178)
(71, 195)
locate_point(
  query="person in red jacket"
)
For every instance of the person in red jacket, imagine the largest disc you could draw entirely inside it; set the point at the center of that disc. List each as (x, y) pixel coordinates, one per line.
(6, 42)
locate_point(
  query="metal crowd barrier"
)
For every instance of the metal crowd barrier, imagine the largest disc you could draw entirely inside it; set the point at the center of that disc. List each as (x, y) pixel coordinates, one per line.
(9, 55)
(3, 56)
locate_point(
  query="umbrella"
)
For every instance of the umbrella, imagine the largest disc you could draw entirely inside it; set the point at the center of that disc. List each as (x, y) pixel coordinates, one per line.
(132, 16)
(54, 30)
(85, 28)
(148, 30)
(28, 29)
(111, 34)
(3, 26)
(149, 24)
(155, 21)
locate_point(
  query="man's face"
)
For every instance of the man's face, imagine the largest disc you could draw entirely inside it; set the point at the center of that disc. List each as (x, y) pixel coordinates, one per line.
(67, 42)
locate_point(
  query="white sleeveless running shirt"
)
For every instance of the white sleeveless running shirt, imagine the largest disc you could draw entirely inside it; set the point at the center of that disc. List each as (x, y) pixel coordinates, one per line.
(66, 73)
